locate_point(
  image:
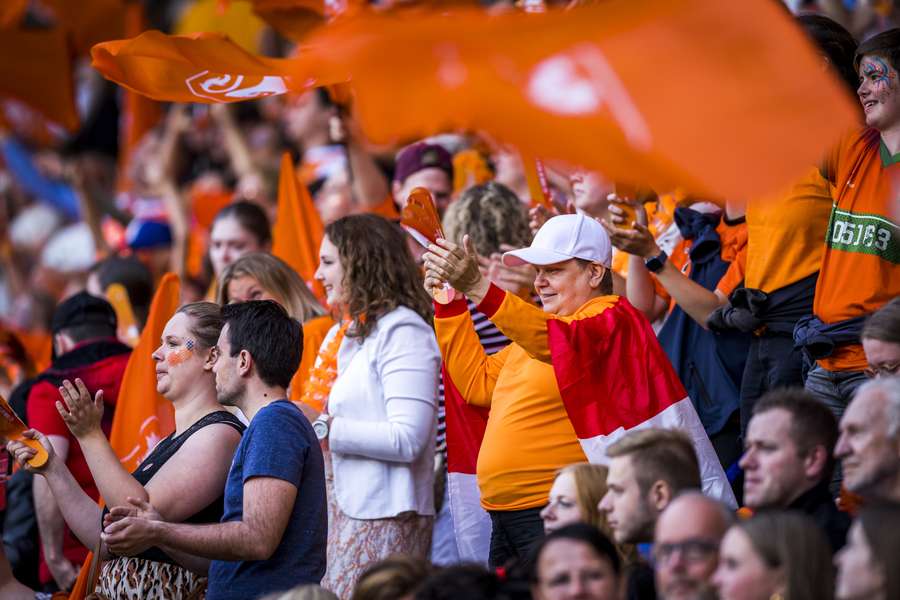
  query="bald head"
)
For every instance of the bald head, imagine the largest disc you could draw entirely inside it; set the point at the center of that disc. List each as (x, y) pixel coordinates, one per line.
(686, 547)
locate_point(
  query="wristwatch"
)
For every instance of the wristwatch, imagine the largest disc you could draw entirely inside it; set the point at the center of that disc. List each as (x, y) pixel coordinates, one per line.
(322, 425)
(656, 263)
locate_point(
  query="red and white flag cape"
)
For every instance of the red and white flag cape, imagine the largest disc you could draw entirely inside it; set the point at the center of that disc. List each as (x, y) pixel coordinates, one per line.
(613, 377)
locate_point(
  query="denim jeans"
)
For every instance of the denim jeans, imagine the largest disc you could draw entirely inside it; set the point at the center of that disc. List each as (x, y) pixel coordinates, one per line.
(513, 533)
(835, 389)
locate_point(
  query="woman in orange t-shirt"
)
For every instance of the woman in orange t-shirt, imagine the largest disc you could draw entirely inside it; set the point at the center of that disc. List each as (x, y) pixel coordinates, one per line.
(261, 276)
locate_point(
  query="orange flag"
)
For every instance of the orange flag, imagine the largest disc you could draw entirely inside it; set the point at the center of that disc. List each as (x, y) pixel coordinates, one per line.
(80, 589)
(11, 12)
(688, 93)
(200, 67)
(139, 114)
(298, 229)
(142, 416)
(293, 19)
(35, 68)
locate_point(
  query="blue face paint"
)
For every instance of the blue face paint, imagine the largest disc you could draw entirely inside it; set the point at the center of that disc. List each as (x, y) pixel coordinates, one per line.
(879, 73)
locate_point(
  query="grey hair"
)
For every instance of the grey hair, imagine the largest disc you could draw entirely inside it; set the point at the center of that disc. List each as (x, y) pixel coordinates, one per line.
(889, 388)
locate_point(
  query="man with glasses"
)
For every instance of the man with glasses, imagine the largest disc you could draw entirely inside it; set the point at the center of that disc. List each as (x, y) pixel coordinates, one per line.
(686, 546)
(881, 340)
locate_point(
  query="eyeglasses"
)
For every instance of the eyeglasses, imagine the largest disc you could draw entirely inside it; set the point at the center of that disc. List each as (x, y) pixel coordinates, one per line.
(692, 551)
(883, 370)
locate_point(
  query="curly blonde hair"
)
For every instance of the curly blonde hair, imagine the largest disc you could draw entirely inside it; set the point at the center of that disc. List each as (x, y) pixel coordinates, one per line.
(491, 214)
(379, 271)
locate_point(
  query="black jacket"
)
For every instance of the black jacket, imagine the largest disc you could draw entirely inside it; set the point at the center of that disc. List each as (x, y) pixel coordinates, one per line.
(819, 504)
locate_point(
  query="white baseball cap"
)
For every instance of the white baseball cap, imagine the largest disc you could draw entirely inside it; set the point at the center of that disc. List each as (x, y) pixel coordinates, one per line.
(562, 238)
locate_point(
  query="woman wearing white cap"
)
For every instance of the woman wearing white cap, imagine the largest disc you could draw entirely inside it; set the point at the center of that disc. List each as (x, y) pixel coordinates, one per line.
(578, 374)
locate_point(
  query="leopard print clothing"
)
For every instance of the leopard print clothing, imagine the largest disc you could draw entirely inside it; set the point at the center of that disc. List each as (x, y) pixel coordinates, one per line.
(129, 578)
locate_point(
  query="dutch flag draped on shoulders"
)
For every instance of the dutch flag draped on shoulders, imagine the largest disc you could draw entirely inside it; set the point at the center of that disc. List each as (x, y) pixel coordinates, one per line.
(613, 377)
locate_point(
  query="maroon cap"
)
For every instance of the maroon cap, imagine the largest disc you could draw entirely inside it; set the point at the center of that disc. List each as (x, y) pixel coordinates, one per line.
(422, 155)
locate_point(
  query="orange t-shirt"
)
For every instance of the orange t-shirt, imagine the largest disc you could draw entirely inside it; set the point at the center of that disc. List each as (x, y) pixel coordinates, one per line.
(733, 238)
(786, 233)
(314, 332)
(529, 436)
(861, 262)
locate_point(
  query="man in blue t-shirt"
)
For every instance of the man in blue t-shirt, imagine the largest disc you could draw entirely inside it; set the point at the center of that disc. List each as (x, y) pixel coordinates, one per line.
(273, 533)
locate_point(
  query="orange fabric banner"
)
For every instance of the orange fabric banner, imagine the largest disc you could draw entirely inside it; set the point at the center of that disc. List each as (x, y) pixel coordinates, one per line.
(11, 12)
(690, 93)
(298, 229)
(143, 417)
(89, 22)
(35, 68)
(139, 113)
(201, 67)
(293, 19)
(79, 590)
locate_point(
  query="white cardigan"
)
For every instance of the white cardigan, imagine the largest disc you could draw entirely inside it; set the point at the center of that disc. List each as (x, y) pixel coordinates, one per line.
(383, 406)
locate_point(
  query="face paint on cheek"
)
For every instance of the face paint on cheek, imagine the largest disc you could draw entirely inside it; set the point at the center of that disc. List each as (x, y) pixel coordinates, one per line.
(189, 344)
(179, 356)
(880, 73)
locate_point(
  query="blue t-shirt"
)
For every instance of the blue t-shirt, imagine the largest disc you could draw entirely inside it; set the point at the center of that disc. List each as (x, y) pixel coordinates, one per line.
(280, 443)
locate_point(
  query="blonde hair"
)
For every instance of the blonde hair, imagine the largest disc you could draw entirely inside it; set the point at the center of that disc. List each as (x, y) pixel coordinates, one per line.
(490, 214)
(277, 278)
(590, 487)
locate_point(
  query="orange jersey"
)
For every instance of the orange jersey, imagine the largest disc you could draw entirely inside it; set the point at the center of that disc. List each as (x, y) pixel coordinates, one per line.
(529, 436)
(786, 233)
(861, 263)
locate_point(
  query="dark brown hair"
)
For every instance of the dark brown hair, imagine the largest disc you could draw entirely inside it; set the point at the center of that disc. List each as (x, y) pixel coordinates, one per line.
(660, 455)
(837, 43)
(379, 272)
(812, 423)
(885, 45)
(206, 322)
(250, 217)
(884, 324)
(794, 544)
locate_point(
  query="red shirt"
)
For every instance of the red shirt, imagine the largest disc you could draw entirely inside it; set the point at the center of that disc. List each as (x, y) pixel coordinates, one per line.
(100, 364)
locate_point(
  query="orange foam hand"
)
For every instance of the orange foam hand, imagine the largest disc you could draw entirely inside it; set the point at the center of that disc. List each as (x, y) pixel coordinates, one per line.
(420, 218)
(12, 428)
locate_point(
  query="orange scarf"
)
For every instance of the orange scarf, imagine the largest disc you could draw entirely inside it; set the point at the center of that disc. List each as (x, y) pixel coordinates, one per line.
(323, 374)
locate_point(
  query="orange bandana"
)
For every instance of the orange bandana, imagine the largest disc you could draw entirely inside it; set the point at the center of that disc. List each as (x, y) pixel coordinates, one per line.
(323, 374)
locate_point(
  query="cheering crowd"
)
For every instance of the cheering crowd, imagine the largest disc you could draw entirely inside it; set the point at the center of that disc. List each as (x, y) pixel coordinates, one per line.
(442, 369)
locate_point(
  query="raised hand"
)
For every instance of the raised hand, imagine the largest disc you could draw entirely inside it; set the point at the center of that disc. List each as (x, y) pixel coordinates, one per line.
(457, 265)
(82, 415)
